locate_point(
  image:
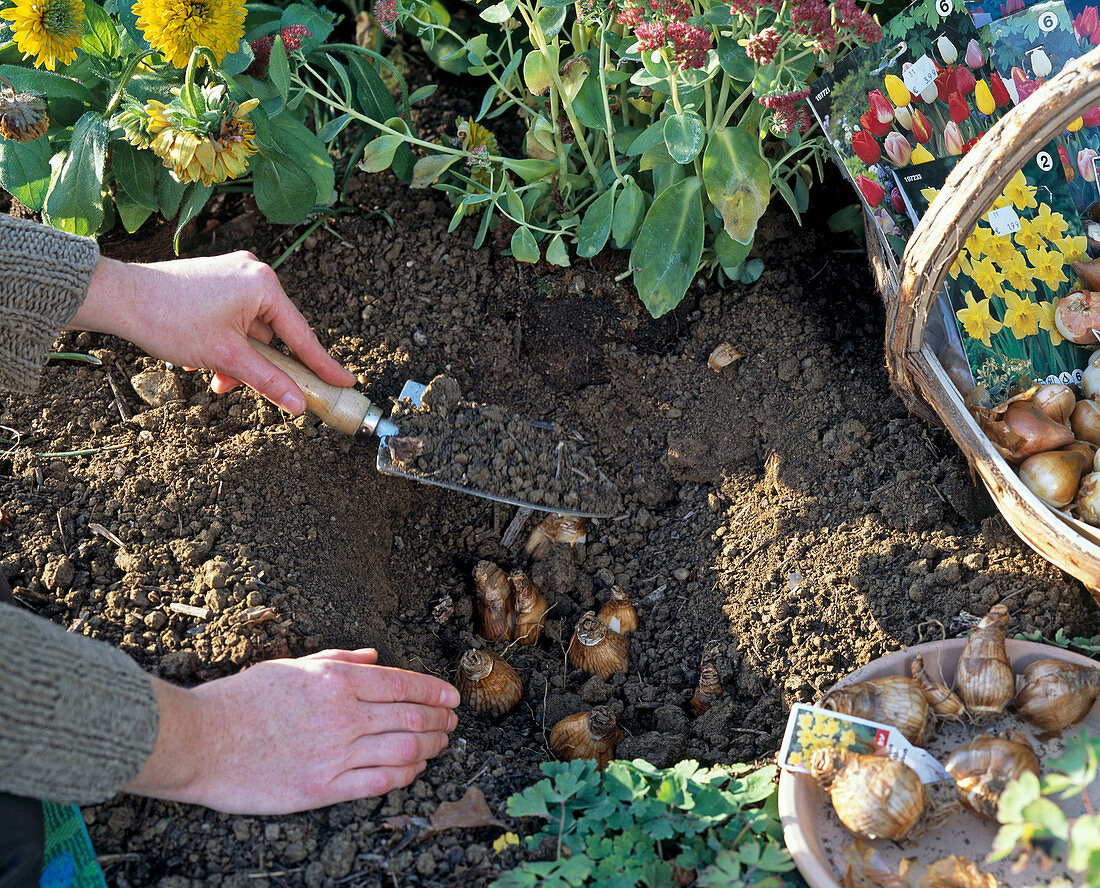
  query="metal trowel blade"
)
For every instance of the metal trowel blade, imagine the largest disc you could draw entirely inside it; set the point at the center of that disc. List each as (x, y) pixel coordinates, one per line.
(413, 391)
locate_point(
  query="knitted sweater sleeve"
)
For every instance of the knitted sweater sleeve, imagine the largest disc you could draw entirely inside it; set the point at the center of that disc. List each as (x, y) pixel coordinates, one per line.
(79, 718)
(44, 275)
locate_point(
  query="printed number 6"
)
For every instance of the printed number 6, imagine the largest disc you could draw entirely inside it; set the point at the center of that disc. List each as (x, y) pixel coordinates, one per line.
(945, 7)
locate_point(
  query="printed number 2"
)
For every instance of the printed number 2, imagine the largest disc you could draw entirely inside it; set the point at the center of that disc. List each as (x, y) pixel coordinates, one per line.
(1044, 161)
(945, 7)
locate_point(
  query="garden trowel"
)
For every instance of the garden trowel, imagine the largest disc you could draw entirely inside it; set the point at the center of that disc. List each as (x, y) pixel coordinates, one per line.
(350, 411)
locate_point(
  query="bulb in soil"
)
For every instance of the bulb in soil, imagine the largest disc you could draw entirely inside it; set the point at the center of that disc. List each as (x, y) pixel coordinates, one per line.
(586, 735)
(494, 601)
(554, 529)
(487, 683)
(598, 650)
(983, 768)
(618, 614)
(530, 607)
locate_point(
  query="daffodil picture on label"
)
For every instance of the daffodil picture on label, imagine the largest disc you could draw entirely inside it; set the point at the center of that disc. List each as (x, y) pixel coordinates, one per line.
(1010, 272)
(815, 729)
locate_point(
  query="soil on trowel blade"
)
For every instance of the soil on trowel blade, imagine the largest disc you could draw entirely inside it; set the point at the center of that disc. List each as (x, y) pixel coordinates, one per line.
(484, 448)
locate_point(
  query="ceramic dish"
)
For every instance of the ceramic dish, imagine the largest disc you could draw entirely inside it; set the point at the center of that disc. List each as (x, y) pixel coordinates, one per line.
(815, 837)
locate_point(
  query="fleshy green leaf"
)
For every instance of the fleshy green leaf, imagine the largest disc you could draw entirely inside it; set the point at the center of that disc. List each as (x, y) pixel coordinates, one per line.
(738, 181)
(666, 254)
(431, 167)
(530, 170)
(684, 136)
(628, 213)
(524, 247)
(596, 225)
(556, 252)
(378, 154)
(278, 68)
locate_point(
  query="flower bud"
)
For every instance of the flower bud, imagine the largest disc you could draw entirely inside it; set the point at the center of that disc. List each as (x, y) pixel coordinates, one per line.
(999, 92)
(1085, 158)
(1040, 62)
(947, 50)
(957, 108)
(974, 57)
(881, 108)
(1075, 125)
(897, 201)
(897, 91)
(983, 98)
(898, 149)
(870, 189)
(930, 93)
(1091, 117)
(964, 81)
(903, 117)
(865, 147)
(952, 138)
(920, 155)
(922, 129)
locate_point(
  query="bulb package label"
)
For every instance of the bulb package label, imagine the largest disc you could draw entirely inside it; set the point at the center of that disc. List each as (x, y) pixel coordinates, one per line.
(810, 728)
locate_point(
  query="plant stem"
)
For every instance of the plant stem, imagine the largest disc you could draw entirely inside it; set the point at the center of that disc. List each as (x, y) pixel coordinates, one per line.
(129, 72)
(610, 135)
(747, 93)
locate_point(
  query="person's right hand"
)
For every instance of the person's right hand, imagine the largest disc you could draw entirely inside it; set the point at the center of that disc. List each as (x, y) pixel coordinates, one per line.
(290, 735)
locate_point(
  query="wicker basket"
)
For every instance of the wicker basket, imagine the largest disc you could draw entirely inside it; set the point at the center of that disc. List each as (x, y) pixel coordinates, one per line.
(917, 373)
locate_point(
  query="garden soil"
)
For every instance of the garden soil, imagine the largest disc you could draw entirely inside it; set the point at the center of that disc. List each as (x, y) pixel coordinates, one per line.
(786, 512)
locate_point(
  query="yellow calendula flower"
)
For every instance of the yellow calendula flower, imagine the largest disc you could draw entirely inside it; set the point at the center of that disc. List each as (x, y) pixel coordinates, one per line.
(976, 320)
(1048, 267)
(1050, 225)
(1021, 316)
(1020, 193)
(175, 27)
(1017, 274)
(1046, 322)
(1029, 236)
(985, 274)
(48, 30)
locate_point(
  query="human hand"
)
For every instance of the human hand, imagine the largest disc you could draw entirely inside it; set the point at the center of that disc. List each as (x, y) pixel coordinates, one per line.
(291, 735)
(199, 313)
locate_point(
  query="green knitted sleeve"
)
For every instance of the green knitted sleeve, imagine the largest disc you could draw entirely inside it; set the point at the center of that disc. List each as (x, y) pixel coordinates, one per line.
(44, 275)
(78, 718)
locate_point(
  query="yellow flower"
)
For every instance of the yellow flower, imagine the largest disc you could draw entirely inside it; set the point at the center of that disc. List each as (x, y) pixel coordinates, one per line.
(980, 242)
(1072, 248)
(49, 30)
(920, 155)
(1046, 322)
(805, 721)
(175, 27)
(1021, 315)
(976, 320)
(1029, 236)
(1048, 267)
(961, 263)
(1017, 274)
(1020, 193)
(984, 273)
(1001, 250)
(929, 194)
(1050, 225)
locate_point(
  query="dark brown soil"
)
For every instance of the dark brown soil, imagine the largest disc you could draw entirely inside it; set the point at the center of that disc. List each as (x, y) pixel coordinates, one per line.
(786, 512)
(484, 448)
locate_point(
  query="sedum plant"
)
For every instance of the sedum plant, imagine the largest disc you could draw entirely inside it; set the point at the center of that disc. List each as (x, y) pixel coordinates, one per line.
(634, 824)
(126, 109)
(660, 126)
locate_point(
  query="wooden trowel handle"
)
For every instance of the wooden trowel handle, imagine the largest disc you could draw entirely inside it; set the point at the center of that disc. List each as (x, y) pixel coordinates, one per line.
(344, 409)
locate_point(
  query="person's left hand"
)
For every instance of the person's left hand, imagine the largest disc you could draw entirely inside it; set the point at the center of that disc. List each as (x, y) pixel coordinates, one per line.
(200, 312)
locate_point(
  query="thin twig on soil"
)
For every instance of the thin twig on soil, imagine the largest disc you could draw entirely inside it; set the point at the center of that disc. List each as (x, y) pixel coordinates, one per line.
(516, 525)
(120, 400)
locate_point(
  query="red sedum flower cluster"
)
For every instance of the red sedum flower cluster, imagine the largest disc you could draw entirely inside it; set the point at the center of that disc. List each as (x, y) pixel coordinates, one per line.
(663, 23)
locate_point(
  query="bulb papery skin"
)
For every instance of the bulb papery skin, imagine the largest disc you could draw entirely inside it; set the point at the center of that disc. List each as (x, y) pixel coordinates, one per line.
(891, 700)
(1055, 476)
(1090, 378)
(875, 797)
(1085, 421)
(1054, 694)
(983, 768)
(1056, 401)
(984, 675)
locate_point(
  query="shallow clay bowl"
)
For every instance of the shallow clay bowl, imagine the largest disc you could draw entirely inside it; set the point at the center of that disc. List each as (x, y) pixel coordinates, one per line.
(815, 837)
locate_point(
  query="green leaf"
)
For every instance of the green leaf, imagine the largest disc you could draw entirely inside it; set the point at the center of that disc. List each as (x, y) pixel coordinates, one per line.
(629, 210)
(531, 802)
(284, 193)
(371, 92)
(48, 83)
(126, 15)
(1049, 816)
(588, 105)
(729, 253)
(1020, 793)
(556, 252)
(169, 193)
(498, 12)
(378, 154)
(530, 170)
(666, 254)
(551, 18)
(596, 225)
(524, 247)
(136, 171)
(654, 135)
(538, 71)
(419, 95)
(196, 197)
(295, 140)
(75, 199)
(132, 214)
(684, 135)
(100, 33)
(513, 203)
(734, 62)
(25, 171)
(1084, 842)
(238, 61)
(431, 167)
(319, 24)
(738, 181)
(278, 68)
(333, 128)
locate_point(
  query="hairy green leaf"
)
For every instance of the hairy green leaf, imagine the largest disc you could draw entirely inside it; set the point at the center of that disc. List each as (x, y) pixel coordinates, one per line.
(75, 199)
(285, 193)
(25, 171)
